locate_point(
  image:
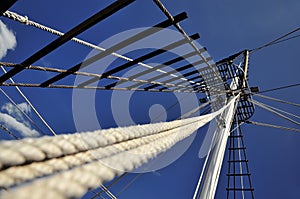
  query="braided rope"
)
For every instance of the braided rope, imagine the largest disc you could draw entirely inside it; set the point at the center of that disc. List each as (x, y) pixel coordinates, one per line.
(66, 166)
(25, 20)
(16, 175)
(82, 172)
(41, 68)
(30, 149)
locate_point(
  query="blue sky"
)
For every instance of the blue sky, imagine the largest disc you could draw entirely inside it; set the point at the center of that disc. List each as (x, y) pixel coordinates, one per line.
(226, 27)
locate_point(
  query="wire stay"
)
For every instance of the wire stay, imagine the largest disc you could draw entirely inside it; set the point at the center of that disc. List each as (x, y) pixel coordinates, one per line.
(279, 88)
(30, 104)
(276, 41)
(273, 126)
(264, 106)
(9, 132)
(276, 99)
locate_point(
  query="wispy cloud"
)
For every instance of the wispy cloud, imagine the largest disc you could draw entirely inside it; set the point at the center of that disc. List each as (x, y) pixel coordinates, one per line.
(13, 119)
(7, 40)
(12, 110)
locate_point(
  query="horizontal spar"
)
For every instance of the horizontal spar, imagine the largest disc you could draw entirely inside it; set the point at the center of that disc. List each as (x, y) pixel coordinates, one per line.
(140, 59)
(103, 14)
(115, 48)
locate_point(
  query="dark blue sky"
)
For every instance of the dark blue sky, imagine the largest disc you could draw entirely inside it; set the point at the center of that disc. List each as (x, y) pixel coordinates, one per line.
(226, 27)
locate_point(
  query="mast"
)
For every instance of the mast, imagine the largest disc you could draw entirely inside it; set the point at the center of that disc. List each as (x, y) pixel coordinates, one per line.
(233, 71)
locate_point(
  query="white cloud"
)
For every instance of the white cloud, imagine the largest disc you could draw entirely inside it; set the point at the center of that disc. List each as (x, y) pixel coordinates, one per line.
(7, 40)
(14, 112)
(12, 123)
(14, 119)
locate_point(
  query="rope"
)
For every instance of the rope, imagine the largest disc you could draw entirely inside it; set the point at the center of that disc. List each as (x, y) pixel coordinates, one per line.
(89, 173)
(41, 68)
(279, 88)
(282, 111)
(66, 166)
(61, 145)
(276, 100)
(36, 170)
(289, 38)
(96, 194)
(97, 88)
(275, 112)
(25, 20)
(275, 41)
(273, 126)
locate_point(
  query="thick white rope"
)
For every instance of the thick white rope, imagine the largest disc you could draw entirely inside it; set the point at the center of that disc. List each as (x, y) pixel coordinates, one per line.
(15, 153)
(80, 173)
(72, 164)
(19, 174)
(25, 20)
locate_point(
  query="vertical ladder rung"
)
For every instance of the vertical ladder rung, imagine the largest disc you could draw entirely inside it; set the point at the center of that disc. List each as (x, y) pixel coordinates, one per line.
(237, 148)
(238, 174)
(240, 189)
(235, 136)
(233, 161)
